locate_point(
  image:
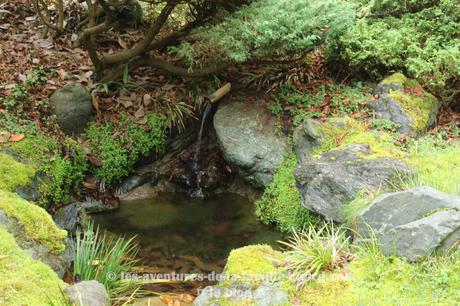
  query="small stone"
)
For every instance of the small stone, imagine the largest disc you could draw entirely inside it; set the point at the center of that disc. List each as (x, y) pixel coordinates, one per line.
(72, 107)
(88, 293)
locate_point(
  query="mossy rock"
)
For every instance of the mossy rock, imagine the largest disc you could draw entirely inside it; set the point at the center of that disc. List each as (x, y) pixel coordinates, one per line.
(34, 231)
(13, 173)
(406, 103)
(25, 281)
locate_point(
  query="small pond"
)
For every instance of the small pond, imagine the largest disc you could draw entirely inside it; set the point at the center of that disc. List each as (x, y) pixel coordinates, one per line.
(185, 235)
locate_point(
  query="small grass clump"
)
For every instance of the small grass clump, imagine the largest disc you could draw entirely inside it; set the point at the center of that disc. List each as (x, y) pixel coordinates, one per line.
(35, 221)
(119, 144)
(103, 257)
(14, 174)
(313, 251)
(281, 202)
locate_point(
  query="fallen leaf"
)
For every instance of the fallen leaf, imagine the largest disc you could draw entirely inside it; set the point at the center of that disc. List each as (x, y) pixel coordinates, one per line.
(147, 99)
(139, 113)
(89, 185)
(4, 136)
(95, 102)
(186, 298)
(16, 137)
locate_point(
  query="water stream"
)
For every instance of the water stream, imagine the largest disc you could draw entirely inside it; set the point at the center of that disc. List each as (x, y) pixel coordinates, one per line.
(198, 192)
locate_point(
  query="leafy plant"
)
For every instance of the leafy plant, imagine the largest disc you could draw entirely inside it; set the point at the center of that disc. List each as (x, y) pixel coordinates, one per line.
(119, 144)
(103, 257)
(312, 251)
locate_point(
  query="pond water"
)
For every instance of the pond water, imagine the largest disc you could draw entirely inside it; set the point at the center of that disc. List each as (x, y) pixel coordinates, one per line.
(187, 235)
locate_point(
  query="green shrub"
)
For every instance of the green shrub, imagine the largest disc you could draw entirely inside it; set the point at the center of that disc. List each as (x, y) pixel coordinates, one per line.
(424, 42)
(384, 124)
(120, 143)
(269, 28)
(102, 257)
(281, 202)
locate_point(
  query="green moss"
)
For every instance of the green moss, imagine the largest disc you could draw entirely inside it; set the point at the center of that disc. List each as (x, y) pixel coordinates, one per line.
(24, 281)
(341, 132)
(418, 108)
(119, 144)
(281, 202)
(395, 78)
(252, 264)
(36, 222)
(13, 174)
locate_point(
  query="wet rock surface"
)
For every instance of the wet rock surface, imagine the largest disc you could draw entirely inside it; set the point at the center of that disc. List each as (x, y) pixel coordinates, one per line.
(249, 140)
(413, 223)
(328, 183)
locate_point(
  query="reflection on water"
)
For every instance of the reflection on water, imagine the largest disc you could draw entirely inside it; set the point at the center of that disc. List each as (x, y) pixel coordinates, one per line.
(188, 235)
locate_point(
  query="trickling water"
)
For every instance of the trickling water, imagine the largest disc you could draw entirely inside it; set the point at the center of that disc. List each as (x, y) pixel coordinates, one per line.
(198, 192)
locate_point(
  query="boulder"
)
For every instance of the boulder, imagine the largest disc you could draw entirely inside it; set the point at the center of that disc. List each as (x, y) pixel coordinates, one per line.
(247, 135)
(93, 206)
(334, 179)
(306, 138)
(404, 102)
(88, 293)
(72, 107)
(37, 249)
(414, 223)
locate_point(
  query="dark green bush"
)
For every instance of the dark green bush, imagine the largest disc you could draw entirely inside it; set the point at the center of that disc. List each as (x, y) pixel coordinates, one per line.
(421, 39)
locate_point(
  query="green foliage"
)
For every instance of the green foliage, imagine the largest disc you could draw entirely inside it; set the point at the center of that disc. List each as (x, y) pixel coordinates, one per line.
(384, 124)
(102, 257)
(281, 202)
(119, 144)
(268, 28)
(423, 42)
(64, 173)
(313, 251)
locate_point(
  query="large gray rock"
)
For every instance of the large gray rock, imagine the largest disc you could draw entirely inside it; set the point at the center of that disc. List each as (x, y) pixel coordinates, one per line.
(413, 223)
(334, 179)
(404, 102)
(72, 107)
(60, 263)
(266, 294)
(88, 293)
(249, 140)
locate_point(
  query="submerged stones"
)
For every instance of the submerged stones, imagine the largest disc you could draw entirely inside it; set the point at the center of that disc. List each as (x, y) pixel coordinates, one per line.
(404, 102)
(414, 223)
(248, 137)
(72, 107)
(329, 182)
